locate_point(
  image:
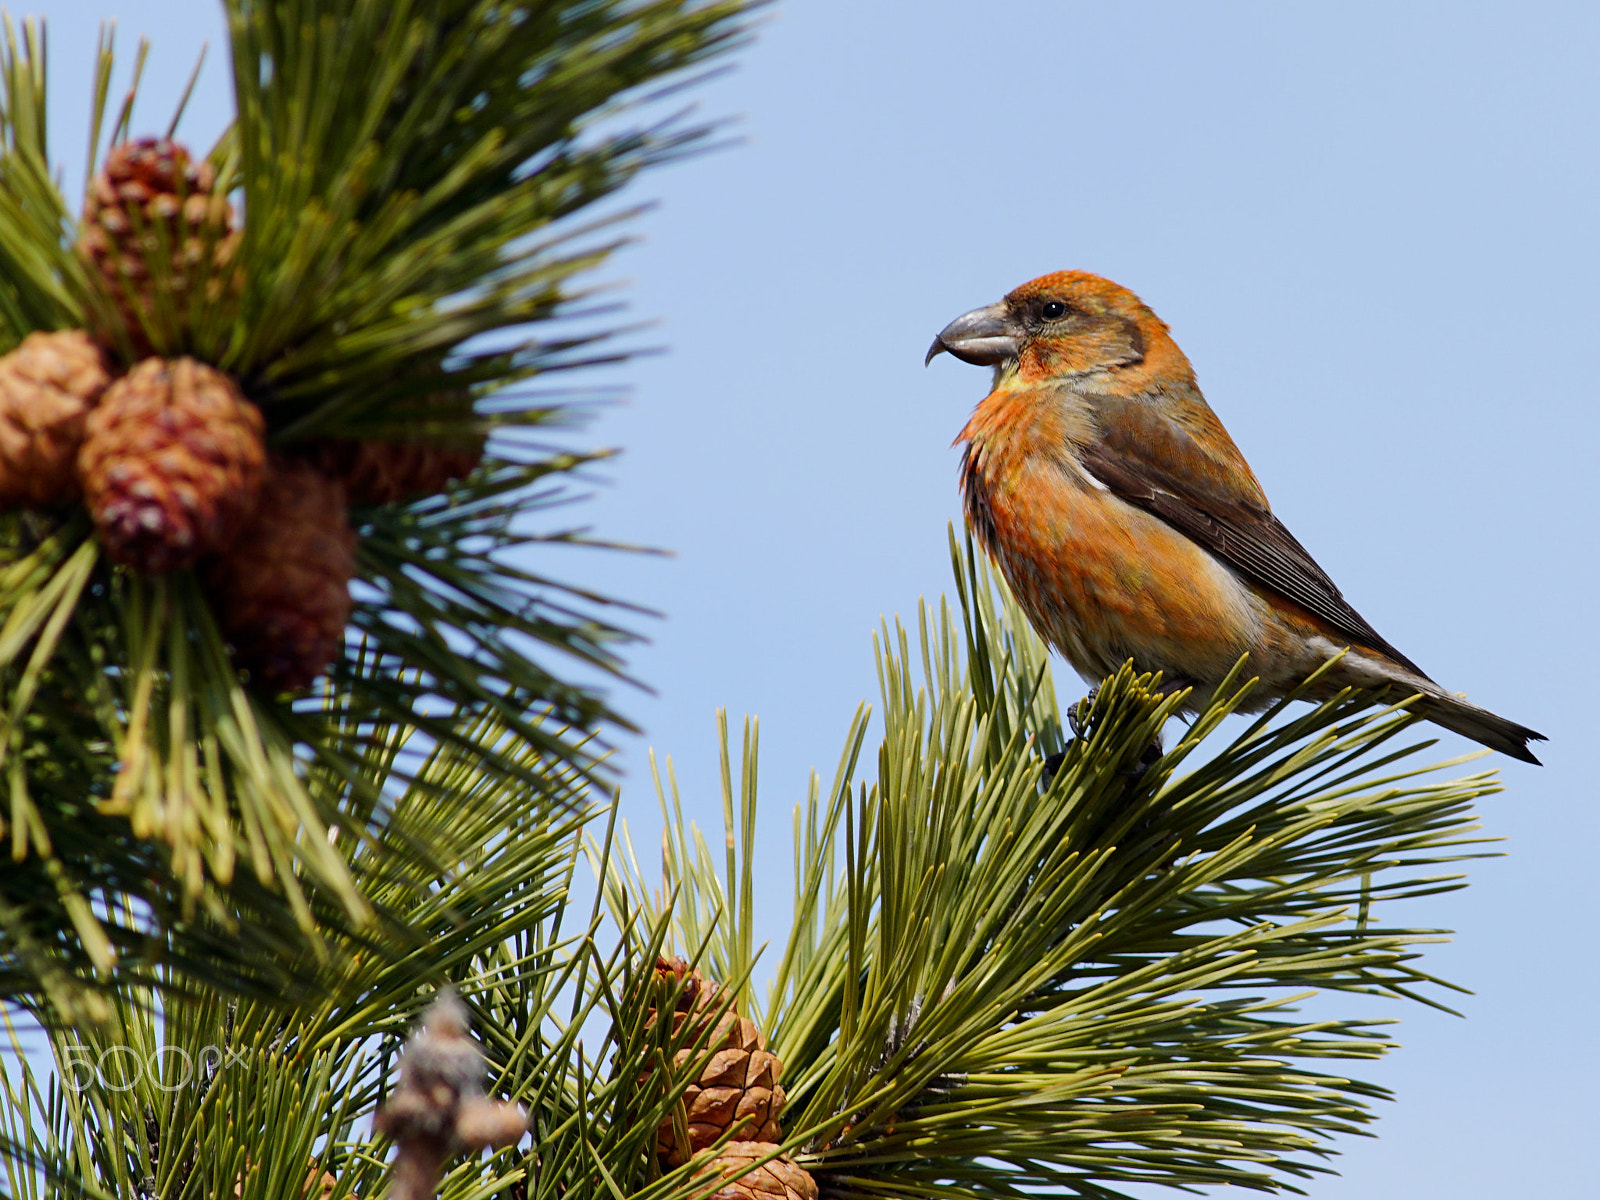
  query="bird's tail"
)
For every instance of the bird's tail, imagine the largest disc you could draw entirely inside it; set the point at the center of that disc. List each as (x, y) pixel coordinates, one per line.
(1479, 724)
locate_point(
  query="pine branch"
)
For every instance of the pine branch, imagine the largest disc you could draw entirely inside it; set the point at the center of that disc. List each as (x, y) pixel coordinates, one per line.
(182, 1090)
(417, 181)
(996, 983)
(1000, 981)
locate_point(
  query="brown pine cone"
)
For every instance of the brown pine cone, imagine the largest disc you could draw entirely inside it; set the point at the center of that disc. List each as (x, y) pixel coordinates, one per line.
(698, 993)
(171, 463)
(388, 472)
(740, 1082)
(738, 1085)
(152, 202)
(780, 1179)
(447, 445)
(47, 387)
(281, 592)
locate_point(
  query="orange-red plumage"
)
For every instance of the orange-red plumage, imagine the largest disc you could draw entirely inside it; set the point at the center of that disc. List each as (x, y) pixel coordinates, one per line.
(1129, 525)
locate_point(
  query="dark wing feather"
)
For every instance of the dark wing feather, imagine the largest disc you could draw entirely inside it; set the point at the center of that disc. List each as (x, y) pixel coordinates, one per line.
(1239, 529)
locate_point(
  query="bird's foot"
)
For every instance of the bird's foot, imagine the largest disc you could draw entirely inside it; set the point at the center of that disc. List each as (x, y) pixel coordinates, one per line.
(1078, 714)
(1077, 718)
(1077, 721)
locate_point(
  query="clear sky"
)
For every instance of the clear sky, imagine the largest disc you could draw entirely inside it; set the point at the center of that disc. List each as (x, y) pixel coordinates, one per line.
(1372, 226)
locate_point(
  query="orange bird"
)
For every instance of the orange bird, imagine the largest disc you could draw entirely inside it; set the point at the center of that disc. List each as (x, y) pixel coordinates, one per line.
(1128, 524)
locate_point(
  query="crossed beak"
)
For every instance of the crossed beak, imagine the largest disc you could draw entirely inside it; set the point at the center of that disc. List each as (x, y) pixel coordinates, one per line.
(982, 337)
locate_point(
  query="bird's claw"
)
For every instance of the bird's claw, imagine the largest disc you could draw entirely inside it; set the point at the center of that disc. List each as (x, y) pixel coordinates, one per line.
(1078, 713)
(1078, 722)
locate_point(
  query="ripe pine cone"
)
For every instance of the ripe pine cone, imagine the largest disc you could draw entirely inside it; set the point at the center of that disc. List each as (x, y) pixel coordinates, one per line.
(738, 1084)
(171, 463)
(446, 447)
(47, 387)
(387, 472)
(780, 1179)
(281, 592)
(150, 223)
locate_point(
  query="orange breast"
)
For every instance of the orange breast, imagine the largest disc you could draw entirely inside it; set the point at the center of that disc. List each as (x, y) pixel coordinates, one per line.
(1101, 580)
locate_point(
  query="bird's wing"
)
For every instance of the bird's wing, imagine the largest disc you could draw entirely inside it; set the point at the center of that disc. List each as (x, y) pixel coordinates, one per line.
(1213, 498)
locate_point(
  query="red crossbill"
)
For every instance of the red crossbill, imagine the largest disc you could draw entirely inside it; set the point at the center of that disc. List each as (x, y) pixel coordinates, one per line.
(1128, 524)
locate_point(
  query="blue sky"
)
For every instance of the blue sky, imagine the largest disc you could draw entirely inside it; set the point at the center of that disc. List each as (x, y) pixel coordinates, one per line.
(1371, 227)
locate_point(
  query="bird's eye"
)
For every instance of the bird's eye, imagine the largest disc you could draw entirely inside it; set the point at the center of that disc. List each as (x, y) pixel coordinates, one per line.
(1053, 310)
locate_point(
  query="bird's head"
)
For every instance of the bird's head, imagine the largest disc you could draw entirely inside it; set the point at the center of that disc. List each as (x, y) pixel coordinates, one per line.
(1069, 324)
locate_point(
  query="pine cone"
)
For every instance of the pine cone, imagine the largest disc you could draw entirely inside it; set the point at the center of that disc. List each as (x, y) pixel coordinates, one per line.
(697, 994)
(447, 447)
(149, 202)
(739, 1084)
(388, 472)
(47, 387)
(281, 593)
(780, 1179)
(171, 463)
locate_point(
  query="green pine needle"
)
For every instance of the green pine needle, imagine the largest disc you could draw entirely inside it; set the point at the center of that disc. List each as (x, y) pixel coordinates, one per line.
(416, 183)
(995, 984)
(999, 982)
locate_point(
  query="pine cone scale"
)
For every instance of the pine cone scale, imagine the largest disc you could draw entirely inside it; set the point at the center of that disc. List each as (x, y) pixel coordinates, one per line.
(151, 201)
(48, 386)
(282, 592)
(171, 464)
(778, 1179)
(735, 1088)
